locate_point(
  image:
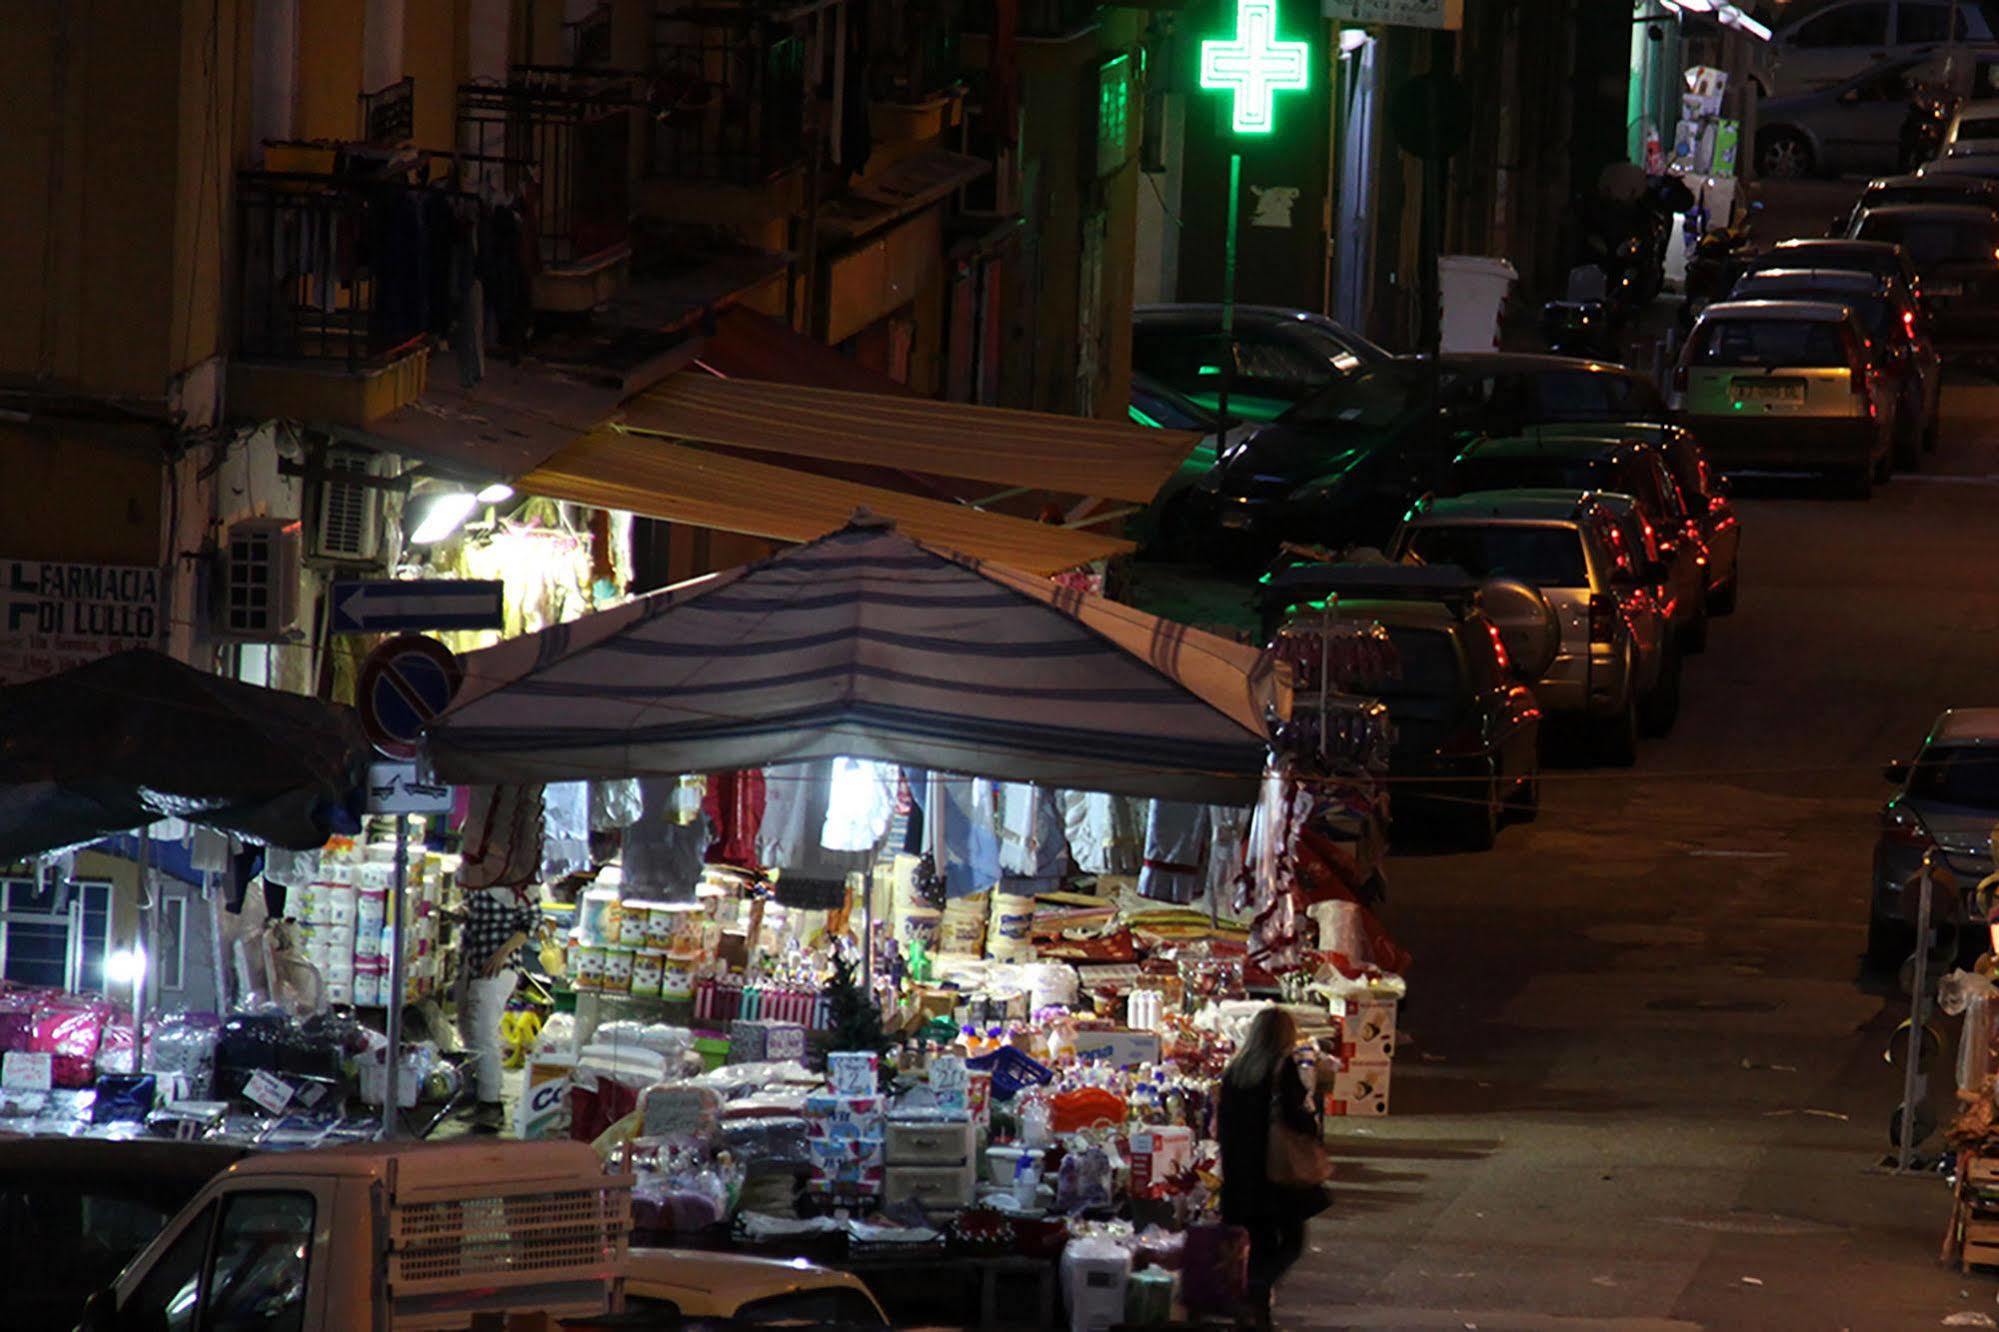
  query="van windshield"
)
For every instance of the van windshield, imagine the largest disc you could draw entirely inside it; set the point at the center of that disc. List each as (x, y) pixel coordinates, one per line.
(1780, 344)
(1548, 556)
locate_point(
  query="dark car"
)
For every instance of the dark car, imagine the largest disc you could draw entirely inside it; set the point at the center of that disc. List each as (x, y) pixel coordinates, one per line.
(1702, 487)
(1946, 805)
(1280, 357)
(1466, 753)
(1897, 335)
(1981, 191)
(1626, 467)
(1342, 467)
(76, 1210)
(1881, 258)
(1955, 248)
(1854, 125)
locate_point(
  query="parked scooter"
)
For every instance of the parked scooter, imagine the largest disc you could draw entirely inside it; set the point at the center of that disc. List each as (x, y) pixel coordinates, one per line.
(1923, 127)
(1719, 259)
(1628, 225)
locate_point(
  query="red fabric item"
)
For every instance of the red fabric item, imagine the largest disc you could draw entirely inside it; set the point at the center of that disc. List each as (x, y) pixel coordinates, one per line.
(1324, 880)
(734, 805)
(594, 1109)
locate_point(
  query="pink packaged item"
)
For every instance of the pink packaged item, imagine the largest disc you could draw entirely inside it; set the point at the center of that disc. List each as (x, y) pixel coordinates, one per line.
(117, 1047)
(17, 1019)
(71, 1032)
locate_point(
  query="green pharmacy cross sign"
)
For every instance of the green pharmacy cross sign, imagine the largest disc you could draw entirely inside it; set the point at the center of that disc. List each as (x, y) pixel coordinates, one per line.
(1255, 66)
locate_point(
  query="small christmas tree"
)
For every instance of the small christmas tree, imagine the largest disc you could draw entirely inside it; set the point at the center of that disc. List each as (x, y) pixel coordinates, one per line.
(857, 1020)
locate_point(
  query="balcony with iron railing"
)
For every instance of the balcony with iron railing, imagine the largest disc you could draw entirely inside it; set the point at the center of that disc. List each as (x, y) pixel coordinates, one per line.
(556, 140)
(332, 318)
(732, 86)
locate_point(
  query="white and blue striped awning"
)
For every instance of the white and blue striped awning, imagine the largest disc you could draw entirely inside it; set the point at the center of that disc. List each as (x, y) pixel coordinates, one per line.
(868, 644)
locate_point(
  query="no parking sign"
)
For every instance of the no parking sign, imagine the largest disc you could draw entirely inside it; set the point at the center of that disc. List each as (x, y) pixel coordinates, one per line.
(405, 684)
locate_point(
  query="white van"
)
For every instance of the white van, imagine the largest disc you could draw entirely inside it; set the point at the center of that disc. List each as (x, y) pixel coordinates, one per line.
(382, 1238)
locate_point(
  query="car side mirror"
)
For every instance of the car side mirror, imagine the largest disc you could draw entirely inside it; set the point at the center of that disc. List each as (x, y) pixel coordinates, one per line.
(1896, 771)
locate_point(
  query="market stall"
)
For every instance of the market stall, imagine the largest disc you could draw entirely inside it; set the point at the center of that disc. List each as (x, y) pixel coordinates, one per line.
(977, 1016)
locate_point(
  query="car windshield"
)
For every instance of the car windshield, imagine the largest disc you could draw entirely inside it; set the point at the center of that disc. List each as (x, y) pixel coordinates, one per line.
(1378, 395)
(1873, 310)
(1592, 395)
(1936, 240)
(1984, 127)
(67, 1240)
(1771, 343)
(1429, 664)
(1523, 473)
(1546, 556)
(1167, 411)
(1965, 775)
(1831, 255)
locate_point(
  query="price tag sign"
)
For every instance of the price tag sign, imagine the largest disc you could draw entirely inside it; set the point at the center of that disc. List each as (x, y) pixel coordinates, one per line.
(21, 1070)
(273, 1094)
(311, 1094)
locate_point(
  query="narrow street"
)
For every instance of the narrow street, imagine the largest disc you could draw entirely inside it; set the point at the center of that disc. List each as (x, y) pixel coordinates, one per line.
(1642, 1082)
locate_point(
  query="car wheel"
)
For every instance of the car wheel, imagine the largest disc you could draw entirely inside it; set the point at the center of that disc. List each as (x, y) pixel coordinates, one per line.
(1889, 943)
(1616, 737)
(1694, 638)
(1858, 482)
(1480, 828)
(1525, 804)
(1721, 600)
(1784, 154)
(1661, 707)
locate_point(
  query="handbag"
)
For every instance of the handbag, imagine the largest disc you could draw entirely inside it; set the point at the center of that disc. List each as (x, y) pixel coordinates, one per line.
(1292, 1159)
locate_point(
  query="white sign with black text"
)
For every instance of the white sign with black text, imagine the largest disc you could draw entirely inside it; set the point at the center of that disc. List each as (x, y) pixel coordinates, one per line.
(1448, 14)
(55, 616)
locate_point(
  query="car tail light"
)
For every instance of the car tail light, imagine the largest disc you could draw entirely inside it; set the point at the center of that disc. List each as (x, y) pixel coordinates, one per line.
(1901, 828)
(1856, 370)
(1602, 618)
(1909, 322)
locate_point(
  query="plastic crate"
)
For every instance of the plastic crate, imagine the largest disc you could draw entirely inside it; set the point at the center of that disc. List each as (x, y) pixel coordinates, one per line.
(1013, 1071)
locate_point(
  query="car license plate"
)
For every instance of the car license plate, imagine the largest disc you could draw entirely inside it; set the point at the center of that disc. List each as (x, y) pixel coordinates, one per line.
(1789, 392)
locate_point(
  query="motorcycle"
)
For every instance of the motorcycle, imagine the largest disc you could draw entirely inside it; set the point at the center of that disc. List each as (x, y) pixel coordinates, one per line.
(1624, 253)
(1924, 125)
(1719, 259)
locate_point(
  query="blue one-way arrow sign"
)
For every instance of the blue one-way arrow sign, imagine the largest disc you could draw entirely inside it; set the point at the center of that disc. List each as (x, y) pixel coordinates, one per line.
(431, 603)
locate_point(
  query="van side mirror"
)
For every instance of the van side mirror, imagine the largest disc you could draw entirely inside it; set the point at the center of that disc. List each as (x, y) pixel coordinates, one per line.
(1896, 771)
(100, 1313)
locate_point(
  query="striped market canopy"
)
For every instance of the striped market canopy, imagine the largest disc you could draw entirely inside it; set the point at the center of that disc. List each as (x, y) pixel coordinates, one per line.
(869, 644)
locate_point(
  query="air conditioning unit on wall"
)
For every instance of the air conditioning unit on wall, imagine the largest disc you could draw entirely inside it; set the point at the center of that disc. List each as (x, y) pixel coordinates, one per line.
(255, 593)
(347, 515)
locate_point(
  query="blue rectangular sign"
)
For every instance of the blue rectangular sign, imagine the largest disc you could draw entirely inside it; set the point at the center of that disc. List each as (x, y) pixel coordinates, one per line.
(393, 605)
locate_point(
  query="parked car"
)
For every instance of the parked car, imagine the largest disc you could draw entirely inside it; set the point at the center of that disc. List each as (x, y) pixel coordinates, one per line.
(697, 1284)
(1853, 125)
(1897, 337)
(1280, 357)
(1947, 801)
(1973, 129)
(1881, 258)
(1159, 525)
(76, 1210)
(1466, 755)
(1955, 248)
(1626, 467)
(1836, 42)
(1975, 166)
(1609, 665)
(1940, 187)
(1703, 488)
(1788, 385)
(1340, 469)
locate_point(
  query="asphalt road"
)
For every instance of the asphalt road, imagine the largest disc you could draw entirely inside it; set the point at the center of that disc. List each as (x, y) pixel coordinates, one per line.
(1641, 1084)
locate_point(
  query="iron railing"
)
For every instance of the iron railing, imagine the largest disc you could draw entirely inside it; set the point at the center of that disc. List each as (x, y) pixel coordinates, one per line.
(559, 139)
(914, 49)
(330, 268)
(388, 115)
(730, 87)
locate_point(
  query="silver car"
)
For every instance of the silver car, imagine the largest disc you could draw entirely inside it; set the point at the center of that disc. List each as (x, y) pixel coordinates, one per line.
(1946, 801)
(1573, 548)
(1788, 385)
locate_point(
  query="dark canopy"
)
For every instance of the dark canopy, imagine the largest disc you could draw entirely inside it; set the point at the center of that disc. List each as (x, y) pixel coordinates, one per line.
(137, 736)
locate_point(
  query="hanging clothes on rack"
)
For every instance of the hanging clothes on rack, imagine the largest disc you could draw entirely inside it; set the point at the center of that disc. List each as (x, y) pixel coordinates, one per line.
(663, 853)
(734, 805)
(797, 797)
(1176, 849)
(959, 830)
(1106, 833)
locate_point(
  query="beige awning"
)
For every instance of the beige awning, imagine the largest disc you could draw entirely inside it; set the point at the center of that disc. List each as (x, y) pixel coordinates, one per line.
(1075, 455)
(612, 469)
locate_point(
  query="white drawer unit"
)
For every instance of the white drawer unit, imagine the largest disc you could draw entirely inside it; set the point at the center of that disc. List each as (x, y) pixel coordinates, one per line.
(930, 1143)
(937, 1187)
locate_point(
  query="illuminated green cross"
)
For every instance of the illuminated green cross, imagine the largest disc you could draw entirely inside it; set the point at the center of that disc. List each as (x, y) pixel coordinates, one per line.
(1256, 66)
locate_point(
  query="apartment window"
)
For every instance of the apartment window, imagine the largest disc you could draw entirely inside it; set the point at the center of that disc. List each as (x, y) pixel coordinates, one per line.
(1113, 115)
(173, 942)
(54, 934)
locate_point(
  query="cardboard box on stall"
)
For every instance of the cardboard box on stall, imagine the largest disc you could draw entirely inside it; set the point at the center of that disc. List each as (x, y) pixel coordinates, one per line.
(1360, 1092)
(1119, 1048)
(1367, 1033)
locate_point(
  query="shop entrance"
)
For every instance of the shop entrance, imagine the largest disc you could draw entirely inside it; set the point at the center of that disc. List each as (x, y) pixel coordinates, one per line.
(54, 934)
